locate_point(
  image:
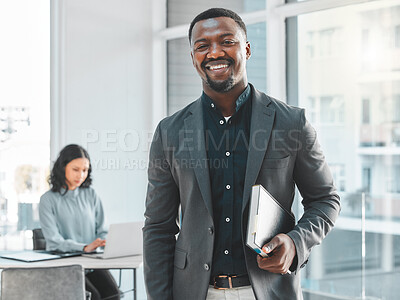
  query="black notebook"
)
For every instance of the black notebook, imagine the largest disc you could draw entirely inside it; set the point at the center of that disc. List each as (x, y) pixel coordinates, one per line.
(267, 218)
(37, 255)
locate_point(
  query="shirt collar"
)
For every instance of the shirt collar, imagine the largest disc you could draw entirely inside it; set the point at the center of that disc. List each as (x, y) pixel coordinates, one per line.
(244, 96)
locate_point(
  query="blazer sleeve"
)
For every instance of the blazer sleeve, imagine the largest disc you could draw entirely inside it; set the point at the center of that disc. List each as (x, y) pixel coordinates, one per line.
(161, 211)
(320, 201)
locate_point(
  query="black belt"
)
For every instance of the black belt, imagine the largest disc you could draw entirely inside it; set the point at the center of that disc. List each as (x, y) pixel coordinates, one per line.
(228, 282)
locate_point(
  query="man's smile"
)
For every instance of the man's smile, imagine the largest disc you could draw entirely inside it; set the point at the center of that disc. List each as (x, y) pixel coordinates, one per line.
(217, 67)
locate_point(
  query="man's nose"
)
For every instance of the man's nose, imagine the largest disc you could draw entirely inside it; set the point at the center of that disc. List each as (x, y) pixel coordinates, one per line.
(215, 51)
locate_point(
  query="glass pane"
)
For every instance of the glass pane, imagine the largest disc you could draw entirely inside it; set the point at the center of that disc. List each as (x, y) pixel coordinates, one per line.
(184, 85)
(256, 65)
(182, 12)
(348, 80)
(24, 117)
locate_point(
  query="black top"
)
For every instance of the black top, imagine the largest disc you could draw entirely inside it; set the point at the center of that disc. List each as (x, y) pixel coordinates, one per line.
(227, 148)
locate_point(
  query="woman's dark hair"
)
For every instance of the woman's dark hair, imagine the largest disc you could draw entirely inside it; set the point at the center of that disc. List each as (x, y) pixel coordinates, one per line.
(57, 175)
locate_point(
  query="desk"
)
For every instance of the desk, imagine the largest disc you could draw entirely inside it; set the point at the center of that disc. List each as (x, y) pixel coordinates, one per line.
(127, 262)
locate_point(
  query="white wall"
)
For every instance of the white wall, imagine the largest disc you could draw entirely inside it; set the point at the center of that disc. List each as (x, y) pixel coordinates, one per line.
(101, 94)
(101, 98)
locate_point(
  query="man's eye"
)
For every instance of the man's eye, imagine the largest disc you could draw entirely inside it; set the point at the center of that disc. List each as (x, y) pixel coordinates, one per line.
(200, 47)
(228, 42)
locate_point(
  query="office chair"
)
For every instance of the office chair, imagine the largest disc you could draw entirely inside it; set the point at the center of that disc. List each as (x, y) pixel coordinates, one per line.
(65, 282)
(39, 243)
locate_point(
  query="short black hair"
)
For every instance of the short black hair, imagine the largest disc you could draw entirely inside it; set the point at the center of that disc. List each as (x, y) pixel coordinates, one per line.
(217, 12)
(57, 176)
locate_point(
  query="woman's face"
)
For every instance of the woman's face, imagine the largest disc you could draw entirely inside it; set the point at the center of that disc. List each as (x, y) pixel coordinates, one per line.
(76, 172)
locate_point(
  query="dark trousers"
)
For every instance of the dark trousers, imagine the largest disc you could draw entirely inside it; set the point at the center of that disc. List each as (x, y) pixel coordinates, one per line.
(101, 284)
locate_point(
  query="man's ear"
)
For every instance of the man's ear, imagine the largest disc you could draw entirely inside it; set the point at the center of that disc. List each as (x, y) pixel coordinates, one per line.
(248, 50)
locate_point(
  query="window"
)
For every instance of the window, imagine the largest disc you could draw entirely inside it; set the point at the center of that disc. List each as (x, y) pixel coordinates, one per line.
(397, 36)
(366, 180)
(396, 108)
(24, 117)
(312, 111)
(351, 93)
(326, 110)
(332, 110)
(323, 43)
(310, 44)
(380, 38)
(182, 12)
(392, 179)
(365, 111)
(339, 176)
(326, 37)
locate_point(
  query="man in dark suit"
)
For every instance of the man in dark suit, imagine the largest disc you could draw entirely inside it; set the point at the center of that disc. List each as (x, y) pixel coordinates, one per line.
(204, 160)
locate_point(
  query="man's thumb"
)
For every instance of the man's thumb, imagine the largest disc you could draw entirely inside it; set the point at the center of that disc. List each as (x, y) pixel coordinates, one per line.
(269, 247)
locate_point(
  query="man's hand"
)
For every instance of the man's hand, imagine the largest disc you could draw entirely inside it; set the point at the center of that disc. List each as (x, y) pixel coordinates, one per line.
(93, 245)
(282, 252)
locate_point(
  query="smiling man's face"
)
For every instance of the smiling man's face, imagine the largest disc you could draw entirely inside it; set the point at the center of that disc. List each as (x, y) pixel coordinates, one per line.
(219, 52)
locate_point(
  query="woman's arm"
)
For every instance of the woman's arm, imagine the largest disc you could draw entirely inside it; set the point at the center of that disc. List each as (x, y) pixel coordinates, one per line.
(50, 228)
(101, 231)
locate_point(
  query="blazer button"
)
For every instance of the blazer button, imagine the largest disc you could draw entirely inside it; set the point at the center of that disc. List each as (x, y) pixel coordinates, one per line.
(210, 230)
(206, 267)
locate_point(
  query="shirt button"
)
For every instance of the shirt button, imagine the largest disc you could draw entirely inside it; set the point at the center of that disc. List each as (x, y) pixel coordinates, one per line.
(228, 187)
(227, 153)
(206, 267)
(210, 230)
(227, 219)
(212, 105)
(226, 252)
(221, 122)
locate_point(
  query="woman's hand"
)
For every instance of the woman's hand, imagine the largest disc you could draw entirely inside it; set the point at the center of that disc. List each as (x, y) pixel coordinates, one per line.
(93, 245)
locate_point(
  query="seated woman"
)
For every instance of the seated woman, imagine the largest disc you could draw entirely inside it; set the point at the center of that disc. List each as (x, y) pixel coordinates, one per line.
(72, 217)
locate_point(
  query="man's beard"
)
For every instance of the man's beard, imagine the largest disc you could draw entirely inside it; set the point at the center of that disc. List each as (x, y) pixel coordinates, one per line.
(222, 86)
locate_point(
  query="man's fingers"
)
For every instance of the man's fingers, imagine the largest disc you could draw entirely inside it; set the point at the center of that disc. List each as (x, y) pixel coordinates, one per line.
(268, 262)
(278, 261)
(271, 265)
(281, 250)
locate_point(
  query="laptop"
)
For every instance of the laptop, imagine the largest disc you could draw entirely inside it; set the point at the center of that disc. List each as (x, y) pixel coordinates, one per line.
(124, 239)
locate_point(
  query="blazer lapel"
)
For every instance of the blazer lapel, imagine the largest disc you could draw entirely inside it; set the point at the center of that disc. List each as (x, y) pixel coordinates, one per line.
(262, 120)
(194, 126)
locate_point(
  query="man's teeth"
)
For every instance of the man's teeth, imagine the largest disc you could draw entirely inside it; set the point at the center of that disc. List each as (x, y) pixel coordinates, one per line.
(216, 67)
